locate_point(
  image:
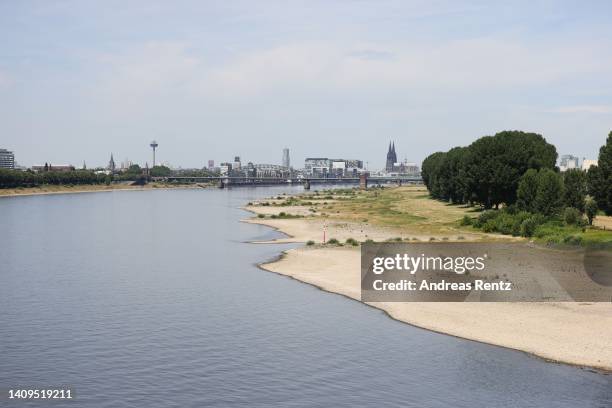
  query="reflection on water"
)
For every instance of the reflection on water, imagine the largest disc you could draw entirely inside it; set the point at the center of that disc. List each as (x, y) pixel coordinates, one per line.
(153, 299)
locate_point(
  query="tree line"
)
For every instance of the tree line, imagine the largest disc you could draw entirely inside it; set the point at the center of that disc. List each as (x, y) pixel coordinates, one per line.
(488, 173)
(16, 178)
(517, 170)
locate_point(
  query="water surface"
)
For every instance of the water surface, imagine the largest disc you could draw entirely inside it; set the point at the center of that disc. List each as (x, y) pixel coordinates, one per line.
(153, 299)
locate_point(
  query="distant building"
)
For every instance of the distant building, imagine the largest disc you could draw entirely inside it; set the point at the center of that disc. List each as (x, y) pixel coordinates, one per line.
(7, 159)
(324, 167)
(317, 166)
(391, 158)
(271, 171)
(111, 164)
(211, 164)
(393, 166)
(53, 167)
(569, 162)
(237, 164)
(588, 163)
(225, 169)
(286, 160)
(405, 168)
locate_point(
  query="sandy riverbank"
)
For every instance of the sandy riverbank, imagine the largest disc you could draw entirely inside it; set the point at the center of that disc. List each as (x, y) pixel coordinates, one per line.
(88, 188)
(574, 333)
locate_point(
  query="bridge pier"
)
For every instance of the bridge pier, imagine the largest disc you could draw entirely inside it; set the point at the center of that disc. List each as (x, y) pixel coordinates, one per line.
(363, 181)
(306, 184)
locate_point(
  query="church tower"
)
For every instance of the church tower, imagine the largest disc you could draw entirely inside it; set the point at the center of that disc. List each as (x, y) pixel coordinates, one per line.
(111, 164)
(391, 157)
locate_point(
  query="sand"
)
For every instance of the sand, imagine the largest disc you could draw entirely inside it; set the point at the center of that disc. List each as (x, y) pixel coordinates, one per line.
(573, 333)
(90, 188)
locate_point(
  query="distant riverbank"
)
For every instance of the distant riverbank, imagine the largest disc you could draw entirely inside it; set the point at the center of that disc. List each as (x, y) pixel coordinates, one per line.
(90, 188)
(574, 333)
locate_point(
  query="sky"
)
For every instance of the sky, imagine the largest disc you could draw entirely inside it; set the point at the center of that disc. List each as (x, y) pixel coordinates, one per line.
(215, 79)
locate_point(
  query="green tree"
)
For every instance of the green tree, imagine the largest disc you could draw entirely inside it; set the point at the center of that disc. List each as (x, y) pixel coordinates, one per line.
(496, 164)
(431, 174)
(605, 165)
(527, 191)
(596, 185)
(160, 171)
(590, 208)
(549, 196)
(575, 188)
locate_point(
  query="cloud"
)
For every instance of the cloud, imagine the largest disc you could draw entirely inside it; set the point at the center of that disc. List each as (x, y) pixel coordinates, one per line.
(458, 65)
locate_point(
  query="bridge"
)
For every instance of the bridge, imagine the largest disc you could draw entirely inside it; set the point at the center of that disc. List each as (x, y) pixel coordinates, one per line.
(223, 181)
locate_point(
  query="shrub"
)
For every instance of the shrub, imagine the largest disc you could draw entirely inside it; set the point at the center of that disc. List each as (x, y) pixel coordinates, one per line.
(484, 217)
(490, 226)
(261, 216)
(504, 223)
(528, 227)
(352, 241)
(466, 220)
(333, 241)
(572, 216)
(573, 240)
(590, 208)
(310, 243)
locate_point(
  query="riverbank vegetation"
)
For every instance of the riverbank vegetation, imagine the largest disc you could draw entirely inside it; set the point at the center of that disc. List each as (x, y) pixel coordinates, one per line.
(15, 179)
(512, 176)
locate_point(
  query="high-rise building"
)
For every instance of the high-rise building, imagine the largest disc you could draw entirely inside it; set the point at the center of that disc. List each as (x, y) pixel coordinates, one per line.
(211, 164)
(588, 163)
(7, 159)
(568, 162)
(286, 160)
(391, 157)
(237, 164)
(225, 169)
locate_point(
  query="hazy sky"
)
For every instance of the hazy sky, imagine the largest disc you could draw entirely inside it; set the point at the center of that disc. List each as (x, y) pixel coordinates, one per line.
(210, 80)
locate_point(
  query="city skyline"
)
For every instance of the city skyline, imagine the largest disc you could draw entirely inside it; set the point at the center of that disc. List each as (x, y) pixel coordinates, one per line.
(80, 80)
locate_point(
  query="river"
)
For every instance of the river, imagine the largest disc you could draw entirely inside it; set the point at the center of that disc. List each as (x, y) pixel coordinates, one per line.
(154, 299)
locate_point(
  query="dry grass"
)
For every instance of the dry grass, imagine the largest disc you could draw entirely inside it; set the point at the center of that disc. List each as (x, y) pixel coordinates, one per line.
(603, 221)
(407, 209)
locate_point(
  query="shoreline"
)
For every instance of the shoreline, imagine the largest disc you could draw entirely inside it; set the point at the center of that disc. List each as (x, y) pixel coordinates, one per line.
(566, 332)
(89, 188)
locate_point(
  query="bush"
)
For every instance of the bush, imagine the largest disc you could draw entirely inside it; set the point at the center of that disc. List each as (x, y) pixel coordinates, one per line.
(466, 220)
(489, 226)
(310, 243)
(333, 241)
(528, 227)
(352, 241)
(261, 216)
(572, 216)
(572, 240)
(590, 208)
(484, 217)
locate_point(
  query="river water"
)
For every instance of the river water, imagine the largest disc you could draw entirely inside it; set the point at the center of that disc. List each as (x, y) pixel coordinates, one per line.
(154, 299)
